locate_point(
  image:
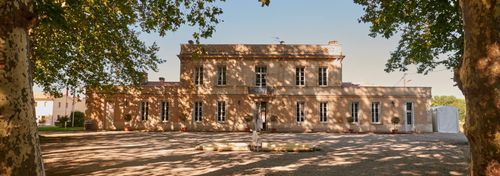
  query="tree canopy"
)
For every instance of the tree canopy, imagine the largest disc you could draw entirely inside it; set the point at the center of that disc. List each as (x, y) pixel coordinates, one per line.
(431, 32)
(77, 43)
(451, 101)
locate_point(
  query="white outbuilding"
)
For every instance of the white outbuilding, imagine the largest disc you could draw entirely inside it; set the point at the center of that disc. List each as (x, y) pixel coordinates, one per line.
(445, 119)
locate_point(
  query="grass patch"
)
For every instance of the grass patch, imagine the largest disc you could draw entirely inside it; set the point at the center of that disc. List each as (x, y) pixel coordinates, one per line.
(45, 139)
(56, 128)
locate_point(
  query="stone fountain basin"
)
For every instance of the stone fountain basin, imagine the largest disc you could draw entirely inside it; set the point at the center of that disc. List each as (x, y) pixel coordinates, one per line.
(266, 147)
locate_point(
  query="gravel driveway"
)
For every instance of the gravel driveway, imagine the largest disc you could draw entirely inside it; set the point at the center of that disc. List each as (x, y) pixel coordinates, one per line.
(172, 153)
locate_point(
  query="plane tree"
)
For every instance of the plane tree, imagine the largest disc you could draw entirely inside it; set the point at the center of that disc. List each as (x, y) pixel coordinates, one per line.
(74, 44)
(463, 35)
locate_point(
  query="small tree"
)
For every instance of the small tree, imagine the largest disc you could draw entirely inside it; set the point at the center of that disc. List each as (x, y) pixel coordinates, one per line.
(395, 121)
(62, 121)
(183, 118)
(78, 117)
(127, 118)
(350, 119)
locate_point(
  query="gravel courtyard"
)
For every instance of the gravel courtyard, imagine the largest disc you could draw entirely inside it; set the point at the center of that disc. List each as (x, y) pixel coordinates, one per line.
(172, 153)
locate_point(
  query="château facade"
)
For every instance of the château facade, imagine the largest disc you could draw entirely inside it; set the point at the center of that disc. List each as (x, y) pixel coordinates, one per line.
(283, 87)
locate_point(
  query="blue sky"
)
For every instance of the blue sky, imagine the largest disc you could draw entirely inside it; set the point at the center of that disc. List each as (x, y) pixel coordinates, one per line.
(305, 22)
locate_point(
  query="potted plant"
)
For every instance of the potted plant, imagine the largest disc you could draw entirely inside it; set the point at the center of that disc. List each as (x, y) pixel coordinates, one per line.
(395, 121)
(274, 119)
(248, 119)
(127, 119)
(350, 120)
(183, 119)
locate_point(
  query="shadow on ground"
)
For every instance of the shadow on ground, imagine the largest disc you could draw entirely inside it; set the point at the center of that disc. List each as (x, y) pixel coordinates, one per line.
(172, 153)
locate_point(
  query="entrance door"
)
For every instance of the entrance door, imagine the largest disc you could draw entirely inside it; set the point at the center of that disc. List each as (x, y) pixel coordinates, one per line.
(262, 113)
(409, 120)
(110, 115)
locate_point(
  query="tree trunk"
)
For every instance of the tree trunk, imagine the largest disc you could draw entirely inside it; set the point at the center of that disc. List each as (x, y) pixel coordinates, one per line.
(19, 145)
(478, 78)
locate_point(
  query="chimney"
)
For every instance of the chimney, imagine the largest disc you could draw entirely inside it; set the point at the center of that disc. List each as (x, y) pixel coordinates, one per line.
(162, 79)
(191, 42)
(332, 42)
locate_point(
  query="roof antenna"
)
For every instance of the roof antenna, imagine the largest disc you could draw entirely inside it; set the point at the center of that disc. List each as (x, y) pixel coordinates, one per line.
(278, 40)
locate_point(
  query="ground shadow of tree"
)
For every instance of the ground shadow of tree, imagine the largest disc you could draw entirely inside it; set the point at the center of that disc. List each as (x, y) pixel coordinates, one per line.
(172, 153)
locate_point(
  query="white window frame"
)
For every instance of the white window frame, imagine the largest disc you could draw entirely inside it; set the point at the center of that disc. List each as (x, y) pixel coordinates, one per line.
(221, 112)
(164, 111)
(144, 110)
(260, 76)
(323, 76)
(355, 111)
(412, 112)
(300, 76)
(375, 113)
(198, 75)
(323, 112)
(221, 75)
(300, 112)
(198, 111)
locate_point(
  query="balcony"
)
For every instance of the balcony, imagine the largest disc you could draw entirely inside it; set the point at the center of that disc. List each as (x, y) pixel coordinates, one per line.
(260, 90)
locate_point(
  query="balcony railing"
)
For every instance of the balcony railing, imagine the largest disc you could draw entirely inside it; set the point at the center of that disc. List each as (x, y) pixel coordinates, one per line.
(260, 90)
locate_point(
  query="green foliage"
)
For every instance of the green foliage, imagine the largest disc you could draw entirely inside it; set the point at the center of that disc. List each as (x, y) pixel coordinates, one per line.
(429, 30)
(395, 120)
(79, 118)
(127, 117)
(248, 118)
(55, 128)
(80, 44)
(451, 101)
(62, 121)
(264, 2)
(350, 119)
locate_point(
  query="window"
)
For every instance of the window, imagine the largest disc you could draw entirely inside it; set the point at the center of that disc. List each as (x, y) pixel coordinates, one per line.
(221, 75)
(355, 112)
(260, 76)
(36, 103)
(375, 112)
(409, 113)
(144, 110)
(59, 104)
(198, 111)
(323, 76)
(66, 105)
(300, 112)
(198, 75)
(164, 111)
(44, 104)
(299, 76)
(323, 112)
(221, 111)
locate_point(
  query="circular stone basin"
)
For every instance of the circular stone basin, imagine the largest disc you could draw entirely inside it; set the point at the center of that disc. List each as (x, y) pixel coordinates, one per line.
(266, 146)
